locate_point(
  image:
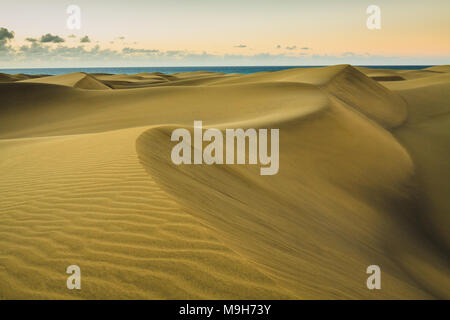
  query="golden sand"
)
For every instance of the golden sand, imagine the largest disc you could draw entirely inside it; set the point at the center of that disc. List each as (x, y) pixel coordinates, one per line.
(86, 178)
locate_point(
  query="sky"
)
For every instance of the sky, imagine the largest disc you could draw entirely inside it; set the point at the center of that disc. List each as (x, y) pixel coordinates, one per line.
(34, 33)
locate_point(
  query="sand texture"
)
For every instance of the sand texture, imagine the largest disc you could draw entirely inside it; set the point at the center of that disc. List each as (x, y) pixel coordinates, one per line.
(86, 178)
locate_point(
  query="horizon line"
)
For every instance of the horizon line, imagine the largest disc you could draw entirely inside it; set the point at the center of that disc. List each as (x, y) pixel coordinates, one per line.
(234, 66)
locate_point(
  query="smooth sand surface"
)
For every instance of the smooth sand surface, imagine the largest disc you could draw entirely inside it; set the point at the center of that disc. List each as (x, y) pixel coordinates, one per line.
(86, 178)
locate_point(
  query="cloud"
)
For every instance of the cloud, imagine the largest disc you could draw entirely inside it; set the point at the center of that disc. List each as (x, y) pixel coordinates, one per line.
(85, 39)
(49, 38)
(175, 53)
(306, 48)
(42, 52)
(291, 48)
(5, 34)
(139, 51)
(34, 50)
(38, 54)
(349, 54)
(241, 46)
(5, 37)
(31, 40)
(72, 36)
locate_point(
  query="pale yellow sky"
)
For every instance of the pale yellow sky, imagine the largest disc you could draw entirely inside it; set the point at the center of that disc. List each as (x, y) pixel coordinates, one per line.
(415, 29)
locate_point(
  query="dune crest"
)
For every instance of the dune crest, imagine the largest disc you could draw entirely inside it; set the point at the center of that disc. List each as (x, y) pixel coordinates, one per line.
(79, 80)
(369, 97)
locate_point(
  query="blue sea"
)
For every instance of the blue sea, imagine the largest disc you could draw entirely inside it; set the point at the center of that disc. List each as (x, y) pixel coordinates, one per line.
(132, 70)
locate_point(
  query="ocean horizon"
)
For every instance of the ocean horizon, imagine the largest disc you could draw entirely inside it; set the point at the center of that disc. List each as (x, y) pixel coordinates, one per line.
(223, 69)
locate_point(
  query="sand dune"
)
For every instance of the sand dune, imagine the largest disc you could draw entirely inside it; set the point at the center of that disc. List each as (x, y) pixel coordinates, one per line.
(76, 80)
(17, 77)
(86, 178)
(141, 80)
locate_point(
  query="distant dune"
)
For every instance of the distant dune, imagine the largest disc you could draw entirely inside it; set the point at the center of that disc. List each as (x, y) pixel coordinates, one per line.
(86, 178)
(75, 80)
(17, 77)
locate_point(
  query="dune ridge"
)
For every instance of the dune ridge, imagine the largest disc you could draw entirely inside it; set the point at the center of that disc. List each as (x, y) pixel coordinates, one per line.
(86, 178)
(76, 80)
